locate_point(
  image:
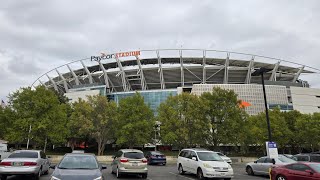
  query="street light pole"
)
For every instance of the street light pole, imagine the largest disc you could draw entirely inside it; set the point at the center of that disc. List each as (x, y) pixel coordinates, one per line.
(266, 106)
(260, 72)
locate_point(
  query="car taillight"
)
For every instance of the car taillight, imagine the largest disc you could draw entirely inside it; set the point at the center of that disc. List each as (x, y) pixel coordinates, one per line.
(123, 160)
(5, 164)
(29, 163)
(144, 160)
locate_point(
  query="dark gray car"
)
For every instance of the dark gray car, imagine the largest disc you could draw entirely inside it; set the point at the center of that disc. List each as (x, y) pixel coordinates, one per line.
(78, 166)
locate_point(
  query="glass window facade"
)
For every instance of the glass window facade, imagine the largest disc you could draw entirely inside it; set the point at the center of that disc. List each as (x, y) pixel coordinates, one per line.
(152, 98)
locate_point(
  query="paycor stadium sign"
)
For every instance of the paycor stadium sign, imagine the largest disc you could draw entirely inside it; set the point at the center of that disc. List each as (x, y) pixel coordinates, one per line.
(115, 55)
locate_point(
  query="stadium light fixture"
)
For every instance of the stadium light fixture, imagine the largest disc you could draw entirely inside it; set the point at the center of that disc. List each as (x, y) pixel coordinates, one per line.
(260, 72)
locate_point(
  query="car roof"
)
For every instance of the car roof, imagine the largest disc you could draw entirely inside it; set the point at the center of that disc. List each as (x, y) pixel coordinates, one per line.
(26, 151)
(198, 150)
(80, 154)
(130, 150)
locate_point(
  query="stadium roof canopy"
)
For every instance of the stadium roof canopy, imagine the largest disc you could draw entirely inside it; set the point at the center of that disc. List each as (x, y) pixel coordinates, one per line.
(168, 68)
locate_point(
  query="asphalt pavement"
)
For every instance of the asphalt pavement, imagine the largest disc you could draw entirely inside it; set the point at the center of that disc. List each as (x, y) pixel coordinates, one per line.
(168, 172)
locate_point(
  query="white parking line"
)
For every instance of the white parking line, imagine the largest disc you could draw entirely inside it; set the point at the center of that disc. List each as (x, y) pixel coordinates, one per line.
(180, 175)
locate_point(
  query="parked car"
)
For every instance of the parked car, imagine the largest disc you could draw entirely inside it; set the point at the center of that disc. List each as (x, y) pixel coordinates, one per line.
(129, 161)
(203, 163)
(78, 166)
(25, 162)
(287, 155)
(299, 170)
(156, 157)
(263, 164)
(307, 157)
(224, 157)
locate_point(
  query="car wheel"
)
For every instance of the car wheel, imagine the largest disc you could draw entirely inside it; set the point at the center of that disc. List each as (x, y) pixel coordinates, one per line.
(200, 174)
(3, 177)
(164, 164)
(37, 176)
(118, 173)
(144, 176)
(180, 169)
(249, 171)
(281, 177)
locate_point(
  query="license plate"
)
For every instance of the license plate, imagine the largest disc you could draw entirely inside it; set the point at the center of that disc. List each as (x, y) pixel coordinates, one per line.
(223, 174)
(17, 163)
(134, 164)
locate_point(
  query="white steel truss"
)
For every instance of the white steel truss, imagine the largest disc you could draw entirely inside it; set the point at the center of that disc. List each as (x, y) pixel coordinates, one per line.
(160, 70)
(273, 76)
(106, 77)
(143, 80)
(298, 74)
(226, 70)
(248, 78)
(74, 75)
(182, 69)
(53, 83)
(88, 72)
(204, 72)
(126, 86)
(65, 84)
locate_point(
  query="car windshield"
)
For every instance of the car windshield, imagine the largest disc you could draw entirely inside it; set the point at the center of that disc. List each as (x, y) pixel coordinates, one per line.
(209, 156)
(156, 153)
(316, 167)
(78, 162)
(285, 159)
(134, 155)
(24, 154)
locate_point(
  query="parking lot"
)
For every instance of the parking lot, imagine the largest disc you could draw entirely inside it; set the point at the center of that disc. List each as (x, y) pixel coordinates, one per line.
(168, 172)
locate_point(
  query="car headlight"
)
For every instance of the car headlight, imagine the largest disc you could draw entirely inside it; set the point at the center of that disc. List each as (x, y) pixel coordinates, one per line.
(206, 165)
(54, 178)
(98, 178)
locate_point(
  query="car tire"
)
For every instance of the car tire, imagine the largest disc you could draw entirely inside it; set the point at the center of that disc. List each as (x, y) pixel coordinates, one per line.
(37, 176)
(249, 170)
(180, 169)
(281, 177)
(144, 176)
(164, 164)
(118, 173)
(200, 174)
(3, 177)
(227, 178)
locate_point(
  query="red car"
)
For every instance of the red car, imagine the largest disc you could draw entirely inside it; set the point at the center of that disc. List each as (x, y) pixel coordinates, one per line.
(296, 171)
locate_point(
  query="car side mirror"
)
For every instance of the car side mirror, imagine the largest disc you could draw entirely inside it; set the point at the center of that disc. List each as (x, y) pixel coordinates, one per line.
(309, 171)
(194, 158)
(273, 161)
(52, 166)
(255, 161)
(103, 166)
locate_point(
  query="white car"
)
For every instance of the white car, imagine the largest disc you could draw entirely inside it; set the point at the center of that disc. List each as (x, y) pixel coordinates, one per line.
(224, 157)
(25, 162)
(203, 163)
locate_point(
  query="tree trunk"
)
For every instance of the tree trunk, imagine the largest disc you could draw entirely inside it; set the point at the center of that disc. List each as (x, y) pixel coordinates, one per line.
(45, 145)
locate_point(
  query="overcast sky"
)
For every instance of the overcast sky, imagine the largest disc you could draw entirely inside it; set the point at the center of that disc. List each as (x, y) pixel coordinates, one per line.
(38, 35)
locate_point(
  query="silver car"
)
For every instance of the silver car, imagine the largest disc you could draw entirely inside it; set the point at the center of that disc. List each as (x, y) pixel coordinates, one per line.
(129, 161)
(25, 162)
(263, 164)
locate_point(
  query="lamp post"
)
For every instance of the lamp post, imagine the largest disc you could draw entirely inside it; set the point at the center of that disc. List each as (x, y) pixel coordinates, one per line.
(260, 72)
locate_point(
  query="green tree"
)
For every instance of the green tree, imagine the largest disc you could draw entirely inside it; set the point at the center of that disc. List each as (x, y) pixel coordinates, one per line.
(183, 123)
(42, 110)
(135, 121)
(309, 131)
(226, 118)
(291, 118)
(278, 126)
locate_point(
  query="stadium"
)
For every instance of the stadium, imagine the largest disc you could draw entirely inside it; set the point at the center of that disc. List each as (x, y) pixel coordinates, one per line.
(159, 73)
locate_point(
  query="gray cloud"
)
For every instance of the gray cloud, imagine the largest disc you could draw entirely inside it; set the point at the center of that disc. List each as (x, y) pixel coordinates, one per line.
(37, 36)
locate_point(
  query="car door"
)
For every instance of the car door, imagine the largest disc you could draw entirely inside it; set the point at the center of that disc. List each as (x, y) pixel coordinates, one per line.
(266, 165)
(115, 160)
(193, 164)
(298, 172)
(257, 166)
(45, 162)
(186, 160)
